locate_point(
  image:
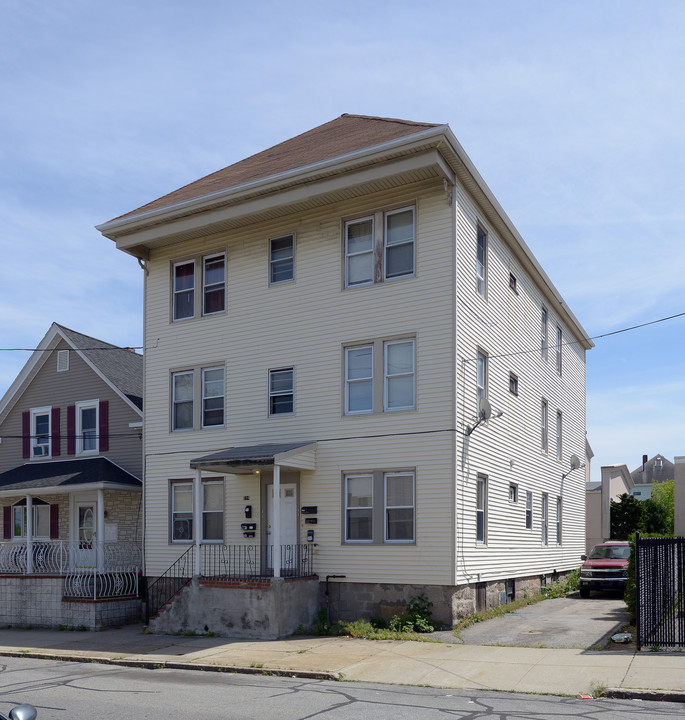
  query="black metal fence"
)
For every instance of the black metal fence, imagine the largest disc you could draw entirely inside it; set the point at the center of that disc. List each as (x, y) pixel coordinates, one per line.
(660, 591)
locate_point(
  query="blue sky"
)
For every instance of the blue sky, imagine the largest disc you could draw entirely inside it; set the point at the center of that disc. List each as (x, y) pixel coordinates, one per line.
(573, 111)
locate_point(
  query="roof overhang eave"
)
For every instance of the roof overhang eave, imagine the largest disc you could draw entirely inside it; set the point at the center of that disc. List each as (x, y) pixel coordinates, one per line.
(68, 489)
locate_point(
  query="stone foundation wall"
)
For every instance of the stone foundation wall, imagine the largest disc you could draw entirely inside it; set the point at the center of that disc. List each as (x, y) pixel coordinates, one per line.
(265, 609)
(38, 602)
(350, 601)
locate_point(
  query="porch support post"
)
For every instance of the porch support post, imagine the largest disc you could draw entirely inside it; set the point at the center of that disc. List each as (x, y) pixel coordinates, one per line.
(197, 520)
(29, 535)
(276, 522)
(100, 531)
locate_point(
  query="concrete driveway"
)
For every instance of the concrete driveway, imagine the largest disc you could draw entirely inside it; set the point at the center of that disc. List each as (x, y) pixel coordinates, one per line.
(570, 622)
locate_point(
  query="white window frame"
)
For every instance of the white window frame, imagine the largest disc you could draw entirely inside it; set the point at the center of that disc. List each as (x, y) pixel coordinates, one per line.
(176, 293)
(513, 493)
(187, 485)
(213, 287)
(481, 264)
(275, 263)
(544, 315)
(62, 360)
(370, 252)
(175, 403)
(481, 377)
(347, 509)
(205, 397)
(560, 342)
(529, 510)
(513, 384)
(205, 512)
(282, 393)
(39, 507)
(544, 426)
(560, 429)
(544, 519)
(350, 382)
(35, 414)
(387, 508)
(559, 519)
(388, 376)
(80, 440)
(481, 509)
(388, 246)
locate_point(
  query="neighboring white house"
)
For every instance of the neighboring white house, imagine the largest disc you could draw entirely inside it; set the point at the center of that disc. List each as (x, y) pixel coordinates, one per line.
(324, 318)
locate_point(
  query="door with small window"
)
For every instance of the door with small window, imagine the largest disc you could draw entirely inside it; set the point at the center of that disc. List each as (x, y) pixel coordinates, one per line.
(85, 553)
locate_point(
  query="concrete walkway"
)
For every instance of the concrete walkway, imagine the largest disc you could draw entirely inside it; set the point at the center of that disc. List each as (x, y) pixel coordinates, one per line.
(450, 665)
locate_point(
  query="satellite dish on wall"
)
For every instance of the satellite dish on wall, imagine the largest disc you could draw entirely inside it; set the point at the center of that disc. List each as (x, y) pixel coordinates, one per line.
(575, 462)
(485, 409)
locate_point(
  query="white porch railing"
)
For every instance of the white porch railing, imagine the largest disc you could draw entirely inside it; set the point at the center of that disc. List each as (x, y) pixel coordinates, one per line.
(90, 570)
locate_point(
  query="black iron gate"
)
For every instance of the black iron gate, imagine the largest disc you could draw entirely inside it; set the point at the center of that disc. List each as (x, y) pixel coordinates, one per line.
(660, 591)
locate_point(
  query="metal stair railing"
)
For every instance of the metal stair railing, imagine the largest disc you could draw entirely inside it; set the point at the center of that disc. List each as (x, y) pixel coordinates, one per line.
(171, 582)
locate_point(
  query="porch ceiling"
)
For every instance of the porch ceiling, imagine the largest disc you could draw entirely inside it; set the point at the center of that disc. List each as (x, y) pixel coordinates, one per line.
(249, 459)
(67, 475)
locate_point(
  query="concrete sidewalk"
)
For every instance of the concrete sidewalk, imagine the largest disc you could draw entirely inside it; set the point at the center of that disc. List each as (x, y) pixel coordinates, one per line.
(560, 671)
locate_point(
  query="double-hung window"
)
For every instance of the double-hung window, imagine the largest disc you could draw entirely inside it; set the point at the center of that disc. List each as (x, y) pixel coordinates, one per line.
(380, 376)
(379, 507)
(41, 446)
(86, 427)
(213, 287)
(544, 518)
(374, 257)
(359, 379)
(183, 391)
(281, 259)
(181, 511)
(481, 378)
(529, 510)
(544, 413)
(481, 260)
(212, 397)
(281, 391)
(213, 284)
(481, 508)
(559, 434)
(399, 375)
(559, 346)
(559, 506)
(41, 519)
(543, 333)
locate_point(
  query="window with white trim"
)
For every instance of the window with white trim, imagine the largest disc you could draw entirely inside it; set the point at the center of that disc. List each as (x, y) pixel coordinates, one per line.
(559, 434)
(41, 439)
(559, 346)
(380, 376)
(373, 258)
(559, 515)
(379, 507)
(281, 391)
(86, 427)
(198, 398)
(544, 518)
(281, 259)
(543, 333)
(529, 510)
(513, 492)
(186, 303)
(181, 504)
(481, 378)
(41, 519)
(481, 509)
(544, 420)
(481, 260)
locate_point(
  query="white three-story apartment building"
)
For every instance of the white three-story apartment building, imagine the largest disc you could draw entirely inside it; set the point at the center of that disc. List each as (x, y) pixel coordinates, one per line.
(322, 322)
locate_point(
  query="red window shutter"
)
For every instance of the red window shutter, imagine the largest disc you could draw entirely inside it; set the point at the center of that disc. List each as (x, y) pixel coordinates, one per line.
(7, 522)
(26, 434)
(103, 430)
(56, 438)
(54, 522)
(71, 430)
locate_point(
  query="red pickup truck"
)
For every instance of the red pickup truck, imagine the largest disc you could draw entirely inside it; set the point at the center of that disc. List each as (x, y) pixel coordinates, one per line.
(605, 568)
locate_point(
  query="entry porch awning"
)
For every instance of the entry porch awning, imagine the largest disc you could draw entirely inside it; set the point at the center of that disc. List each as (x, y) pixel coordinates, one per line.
(249, 459)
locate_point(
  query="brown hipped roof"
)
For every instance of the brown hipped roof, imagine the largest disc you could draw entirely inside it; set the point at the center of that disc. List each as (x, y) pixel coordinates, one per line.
(345, 134)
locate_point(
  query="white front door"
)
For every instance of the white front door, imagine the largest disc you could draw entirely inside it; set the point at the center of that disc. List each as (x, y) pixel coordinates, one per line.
(288, 522)
(85, 555)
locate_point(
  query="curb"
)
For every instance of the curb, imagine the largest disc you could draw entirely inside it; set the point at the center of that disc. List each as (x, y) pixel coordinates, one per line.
(174, 665)
(677, 696)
